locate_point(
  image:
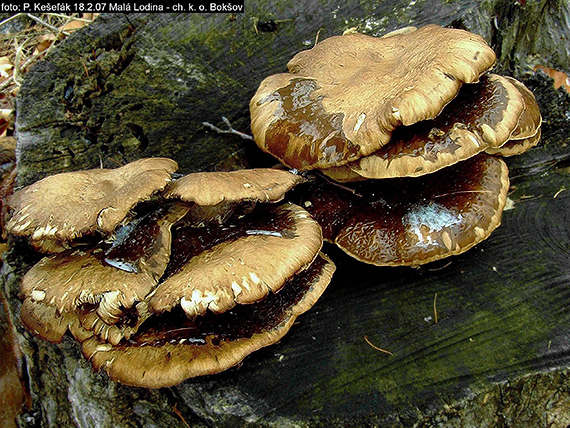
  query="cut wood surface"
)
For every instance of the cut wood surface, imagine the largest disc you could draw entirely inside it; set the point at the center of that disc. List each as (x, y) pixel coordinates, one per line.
(480, 339)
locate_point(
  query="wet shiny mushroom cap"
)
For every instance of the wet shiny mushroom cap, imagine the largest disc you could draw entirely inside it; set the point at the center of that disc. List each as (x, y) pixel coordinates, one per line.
(412, 221)
(170, 347)
(108, 279)
(527, 132)
(342, 99)
(240, 262)
(63, 207)
(482, 116)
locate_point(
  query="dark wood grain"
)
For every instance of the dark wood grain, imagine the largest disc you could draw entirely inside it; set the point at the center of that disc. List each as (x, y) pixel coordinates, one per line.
(498, 353)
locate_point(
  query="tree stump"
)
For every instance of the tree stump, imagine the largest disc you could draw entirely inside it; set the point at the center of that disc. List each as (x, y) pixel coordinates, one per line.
(480, 339)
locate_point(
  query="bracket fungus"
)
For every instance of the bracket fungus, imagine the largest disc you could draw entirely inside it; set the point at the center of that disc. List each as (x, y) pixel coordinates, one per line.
(343, 98)
(63, 207)
(188, 283)
(102, 283)
(412, 221)
(402, 111)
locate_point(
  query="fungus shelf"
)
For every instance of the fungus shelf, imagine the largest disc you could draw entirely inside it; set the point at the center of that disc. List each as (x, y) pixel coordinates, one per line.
(473, 339)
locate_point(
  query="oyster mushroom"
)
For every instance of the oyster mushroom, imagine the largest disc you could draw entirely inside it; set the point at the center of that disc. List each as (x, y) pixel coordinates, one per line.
(100, 283)
(170, 347)
(483, 116)
(61, 208)
(343, 98)
(412, 221)
(210, 270)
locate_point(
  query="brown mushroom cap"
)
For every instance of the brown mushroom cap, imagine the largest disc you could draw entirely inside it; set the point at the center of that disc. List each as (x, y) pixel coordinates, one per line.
(345, 96)
(527, 132)
(213, 188)
(516, 146)
(412, 221)
(170, 348)
(63, 207)
(215, 196)
(237, 263)
(483, 115)
(45, 321)
(73, 278)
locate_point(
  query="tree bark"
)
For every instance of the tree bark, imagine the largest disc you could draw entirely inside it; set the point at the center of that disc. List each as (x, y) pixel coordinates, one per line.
(138, 85)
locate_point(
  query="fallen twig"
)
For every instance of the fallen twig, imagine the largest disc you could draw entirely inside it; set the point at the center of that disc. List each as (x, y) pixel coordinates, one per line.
(46, 24)
(179, 414)
(562, 189)
(230, 129)
(435, 308)
(376, 347)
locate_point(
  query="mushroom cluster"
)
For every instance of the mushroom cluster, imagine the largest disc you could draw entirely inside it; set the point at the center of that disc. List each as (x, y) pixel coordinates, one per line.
(161, 279)
(413, 124)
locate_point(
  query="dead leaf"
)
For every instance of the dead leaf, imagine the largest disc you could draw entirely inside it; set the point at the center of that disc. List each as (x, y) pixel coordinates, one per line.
(560, 78)
(6, 67)
(74, 24)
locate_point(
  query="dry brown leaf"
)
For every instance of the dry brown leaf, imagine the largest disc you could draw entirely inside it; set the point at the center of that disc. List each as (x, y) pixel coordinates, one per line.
(6, 67)
(45, 42)
(560, 78)
(73, 25)
(5, 121)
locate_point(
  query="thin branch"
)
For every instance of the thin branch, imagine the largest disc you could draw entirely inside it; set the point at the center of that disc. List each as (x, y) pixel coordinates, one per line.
(230, 129)
(336, 183)
(10, 18)
(17, 75)
(460, 192)
(179, 414)
(70, 18)
(317, 37)
(47, 25)
(562, 189)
